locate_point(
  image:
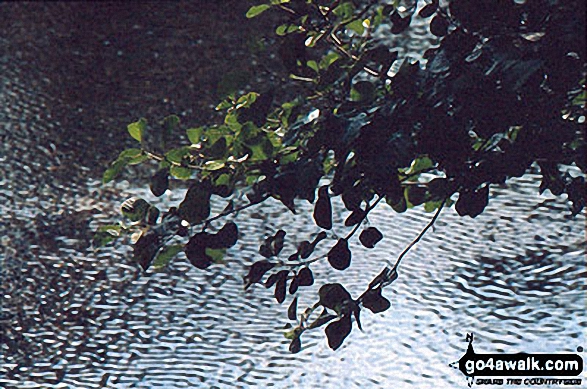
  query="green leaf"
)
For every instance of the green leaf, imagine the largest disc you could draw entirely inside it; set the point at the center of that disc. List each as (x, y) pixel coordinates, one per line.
(328, 60)
(137, 129)
(291, 334)
(245, 101)
(256, 10)
(225, 104)
(432, 205)
(313, 65)
(137, 160)
(130, 153)
(166, 255)
(217, 255)
(313, 38)
(251, 179)
(223, 179)
(285, 29)
(194, 134)
(357, 26)
(106, 234)
(580, 99)
(132, 156)
(344, 10)
(420, 164)
(214, 165)
(214, 133)
(183, 173)
(176, 155)
(114, 170)
(231, 120)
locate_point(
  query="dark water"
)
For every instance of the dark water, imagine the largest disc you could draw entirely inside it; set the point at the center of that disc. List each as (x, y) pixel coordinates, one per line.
(72, 75)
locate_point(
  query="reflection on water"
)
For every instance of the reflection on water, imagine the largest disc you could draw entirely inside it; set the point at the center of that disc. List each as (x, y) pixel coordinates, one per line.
(71, 317)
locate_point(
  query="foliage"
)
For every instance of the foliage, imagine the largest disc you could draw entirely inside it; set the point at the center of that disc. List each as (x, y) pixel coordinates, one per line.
(504, 89)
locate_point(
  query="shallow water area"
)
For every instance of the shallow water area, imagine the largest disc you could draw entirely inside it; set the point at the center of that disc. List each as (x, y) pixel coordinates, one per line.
(73, 317)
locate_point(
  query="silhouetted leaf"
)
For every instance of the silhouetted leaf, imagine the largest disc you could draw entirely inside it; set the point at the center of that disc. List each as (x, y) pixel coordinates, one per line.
(195, 250)
(319, 237)
(135, 209)
(323, 209)
(428, 10)
(577, 193)
(293, 285)
(333, 295)
(339, 256)
(355, 217)
(472, 202)
(265, 250)
(216, 152)
(295, 345)
(292, 310)
(399, 24)
(370, 236)
(337, 331)
(357, 313)
(257, 112)
(439, 25)
(152, 215)
(277, 242)
(257, 271)
(170, 124)
(272, 245)
(196, 205)
(441, 188)
(374, 301)
(226, 237)
(305, 276)
(160, 182)
(145, 248)
(416, 194)
(352, 198)
(271, 280)
(305, 249)
(280, 286)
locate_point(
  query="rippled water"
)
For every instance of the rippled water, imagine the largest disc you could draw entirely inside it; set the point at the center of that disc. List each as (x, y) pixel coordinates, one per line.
(72, 317)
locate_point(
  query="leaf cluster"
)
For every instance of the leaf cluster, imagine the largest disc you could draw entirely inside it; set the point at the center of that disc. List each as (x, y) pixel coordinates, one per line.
(503, 90)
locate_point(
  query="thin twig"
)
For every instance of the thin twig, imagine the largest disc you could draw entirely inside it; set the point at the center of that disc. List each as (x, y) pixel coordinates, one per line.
(430, 224)
(235, 210)
(160, 158)
(367, 210)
